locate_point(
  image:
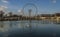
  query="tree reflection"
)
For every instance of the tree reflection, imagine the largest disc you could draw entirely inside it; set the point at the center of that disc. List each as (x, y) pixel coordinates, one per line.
(10, 23)
(1, 24)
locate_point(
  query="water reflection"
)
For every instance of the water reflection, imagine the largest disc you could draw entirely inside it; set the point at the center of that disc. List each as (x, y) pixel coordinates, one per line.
(22, 27)
(22, 24)
(11, 24)
(1, 24)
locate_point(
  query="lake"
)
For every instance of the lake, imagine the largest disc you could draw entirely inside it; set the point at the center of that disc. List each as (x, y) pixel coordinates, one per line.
(23, 29)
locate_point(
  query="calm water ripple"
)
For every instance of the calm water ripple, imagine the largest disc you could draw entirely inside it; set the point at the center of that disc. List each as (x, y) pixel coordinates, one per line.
(22, 29)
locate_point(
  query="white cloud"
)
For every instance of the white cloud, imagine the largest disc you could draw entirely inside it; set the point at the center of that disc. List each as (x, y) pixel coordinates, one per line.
(53, 1)
(3, 7)
(5, 1)
(20, 12)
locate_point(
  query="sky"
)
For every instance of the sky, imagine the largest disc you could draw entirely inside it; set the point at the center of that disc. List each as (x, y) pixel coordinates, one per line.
(43, 6)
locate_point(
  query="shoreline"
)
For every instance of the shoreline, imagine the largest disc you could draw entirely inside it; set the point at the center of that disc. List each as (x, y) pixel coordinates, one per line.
(18, 20)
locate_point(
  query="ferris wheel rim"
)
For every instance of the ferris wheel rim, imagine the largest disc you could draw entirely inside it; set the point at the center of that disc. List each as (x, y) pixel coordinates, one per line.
(31, 5)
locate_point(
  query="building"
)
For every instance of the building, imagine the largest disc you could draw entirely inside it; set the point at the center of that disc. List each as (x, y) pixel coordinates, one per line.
(45, 16)
(57, 15)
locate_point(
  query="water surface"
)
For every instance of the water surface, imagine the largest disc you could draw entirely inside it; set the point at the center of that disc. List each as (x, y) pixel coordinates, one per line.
(22, 29)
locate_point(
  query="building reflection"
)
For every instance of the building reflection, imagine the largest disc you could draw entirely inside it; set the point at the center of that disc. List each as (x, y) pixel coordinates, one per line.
(6, 25)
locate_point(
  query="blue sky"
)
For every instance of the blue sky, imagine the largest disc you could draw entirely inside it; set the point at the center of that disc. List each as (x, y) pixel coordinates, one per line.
(44, 6)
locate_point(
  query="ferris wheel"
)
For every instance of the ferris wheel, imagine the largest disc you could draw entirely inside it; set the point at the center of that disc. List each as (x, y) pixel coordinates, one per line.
(29, 9)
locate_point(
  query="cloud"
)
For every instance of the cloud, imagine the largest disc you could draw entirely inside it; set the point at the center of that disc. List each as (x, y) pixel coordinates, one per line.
(20, 12)
(5, 1)
(3, 7)
(53, 1)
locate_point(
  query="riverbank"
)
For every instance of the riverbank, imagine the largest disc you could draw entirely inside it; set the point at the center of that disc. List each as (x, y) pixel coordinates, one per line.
(17, 19)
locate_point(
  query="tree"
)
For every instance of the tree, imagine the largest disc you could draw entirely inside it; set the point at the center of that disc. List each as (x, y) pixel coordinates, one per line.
(10, 13)
(1, 13)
